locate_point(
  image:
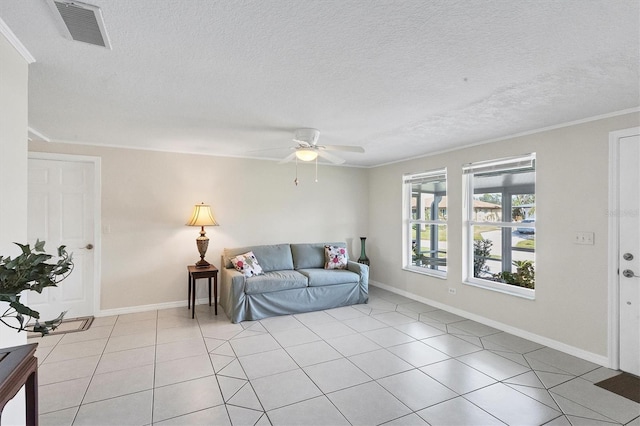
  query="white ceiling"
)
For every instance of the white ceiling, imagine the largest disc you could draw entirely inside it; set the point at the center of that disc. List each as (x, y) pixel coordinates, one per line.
(401, 78)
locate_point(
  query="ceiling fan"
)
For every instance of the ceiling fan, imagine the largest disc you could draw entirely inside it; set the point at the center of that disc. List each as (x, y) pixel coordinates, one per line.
(307, 148)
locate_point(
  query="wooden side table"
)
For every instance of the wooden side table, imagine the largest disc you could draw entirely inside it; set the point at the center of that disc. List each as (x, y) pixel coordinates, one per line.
(195, 273)
(19, 366)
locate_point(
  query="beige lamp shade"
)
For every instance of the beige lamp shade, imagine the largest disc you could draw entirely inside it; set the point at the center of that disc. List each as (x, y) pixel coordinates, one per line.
(306, 154)
(202, 216)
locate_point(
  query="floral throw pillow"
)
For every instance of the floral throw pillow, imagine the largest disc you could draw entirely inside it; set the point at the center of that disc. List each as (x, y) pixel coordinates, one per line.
(247, 264)
(335, 257)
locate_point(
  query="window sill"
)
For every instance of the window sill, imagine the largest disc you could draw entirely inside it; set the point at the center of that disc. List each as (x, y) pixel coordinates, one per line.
(425, 271)
(512, 290)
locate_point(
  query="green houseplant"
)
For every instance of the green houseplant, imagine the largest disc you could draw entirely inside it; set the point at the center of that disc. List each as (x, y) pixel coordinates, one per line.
(481, 252)
(31, 270)
(523, 277)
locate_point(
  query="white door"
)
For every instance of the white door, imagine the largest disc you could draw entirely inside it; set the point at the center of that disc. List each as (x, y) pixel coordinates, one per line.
(629, 253)
(61, 212)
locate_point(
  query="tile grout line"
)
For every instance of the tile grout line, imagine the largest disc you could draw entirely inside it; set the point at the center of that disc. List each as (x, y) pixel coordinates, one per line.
(459, 395)
(215, 374)
(264, 417)
(155, 370)
(75, 417)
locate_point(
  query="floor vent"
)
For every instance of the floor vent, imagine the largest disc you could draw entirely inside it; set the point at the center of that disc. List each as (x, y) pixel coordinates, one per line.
(81, 22)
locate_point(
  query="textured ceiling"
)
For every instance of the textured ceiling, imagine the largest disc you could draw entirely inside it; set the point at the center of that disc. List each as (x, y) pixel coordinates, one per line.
(400, 78)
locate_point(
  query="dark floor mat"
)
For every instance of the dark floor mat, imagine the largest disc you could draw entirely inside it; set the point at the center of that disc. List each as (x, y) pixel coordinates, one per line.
(624, 384)
(70, 325)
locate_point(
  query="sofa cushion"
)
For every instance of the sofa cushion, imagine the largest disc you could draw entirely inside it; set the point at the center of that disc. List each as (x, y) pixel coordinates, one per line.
(275, 281)
(335, 257)
(310, 255)
(247, 264)
(274, 257)
(322, 277)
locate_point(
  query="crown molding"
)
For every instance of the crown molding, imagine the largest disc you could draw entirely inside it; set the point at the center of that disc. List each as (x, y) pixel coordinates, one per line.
(35, 135)
(17, 44)
(517, 135)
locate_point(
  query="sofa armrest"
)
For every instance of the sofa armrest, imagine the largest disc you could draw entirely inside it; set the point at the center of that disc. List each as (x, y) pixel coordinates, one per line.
(362, 271)
(232, 296)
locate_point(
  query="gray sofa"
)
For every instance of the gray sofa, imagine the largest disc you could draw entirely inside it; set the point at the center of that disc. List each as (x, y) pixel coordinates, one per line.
(294, 281)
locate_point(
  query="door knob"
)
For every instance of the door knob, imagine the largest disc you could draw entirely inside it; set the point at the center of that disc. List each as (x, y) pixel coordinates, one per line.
(628, 273)
(89, 246)
(627, 256)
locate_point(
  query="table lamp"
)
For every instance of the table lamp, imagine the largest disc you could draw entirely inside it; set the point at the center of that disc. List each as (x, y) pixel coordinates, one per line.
(202, 217)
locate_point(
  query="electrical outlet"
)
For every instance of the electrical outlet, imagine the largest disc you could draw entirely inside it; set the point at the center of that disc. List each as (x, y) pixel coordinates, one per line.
(585, 238)
(452, 290)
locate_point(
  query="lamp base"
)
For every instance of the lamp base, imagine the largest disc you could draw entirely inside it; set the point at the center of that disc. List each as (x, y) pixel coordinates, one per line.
(202, 264)
(202, 242)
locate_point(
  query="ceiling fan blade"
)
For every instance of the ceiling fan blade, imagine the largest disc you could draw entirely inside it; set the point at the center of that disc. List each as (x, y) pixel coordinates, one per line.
(346, 148)
(333, 158)
(287, 158)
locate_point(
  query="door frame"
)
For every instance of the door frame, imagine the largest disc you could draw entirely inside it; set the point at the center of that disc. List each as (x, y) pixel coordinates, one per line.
(97, 212)
(613, 216)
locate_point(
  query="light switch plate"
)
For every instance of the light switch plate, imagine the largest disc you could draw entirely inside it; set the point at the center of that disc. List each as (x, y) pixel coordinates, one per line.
(585, 238)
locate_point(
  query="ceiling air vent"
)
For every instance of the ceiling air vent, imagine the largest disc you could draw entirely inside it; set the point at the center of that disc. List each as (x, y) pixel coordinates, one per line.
(80, 22)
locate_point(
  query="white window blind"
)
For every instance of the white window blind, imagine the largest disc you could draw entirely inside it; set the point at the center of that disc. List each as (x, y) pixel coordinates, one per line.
(435, 176)
(501, 165)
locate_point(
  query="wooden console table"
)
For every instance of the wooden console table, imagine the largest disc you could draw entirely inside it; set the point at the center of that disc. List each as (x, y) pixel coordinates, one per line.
(18, 367)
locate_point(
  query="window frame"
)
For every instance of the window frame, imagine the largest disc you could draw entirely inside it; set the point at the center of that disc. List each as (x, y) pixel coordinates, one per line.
(408, 221)
(469, 172)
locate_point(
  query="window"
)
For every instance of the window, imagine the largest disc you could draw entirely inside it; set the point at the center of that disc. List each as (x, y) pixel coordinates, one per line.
(425, 222)
(500, 235)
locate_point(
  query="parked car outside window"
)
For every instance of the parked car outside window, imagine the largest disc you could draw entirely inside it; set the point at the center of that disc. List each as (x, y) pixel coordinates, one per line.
(527, 230)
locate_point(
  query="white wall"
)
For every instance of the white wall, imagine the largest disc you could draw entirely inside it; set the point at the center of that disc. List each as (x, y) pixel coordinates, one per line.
(571, 193)
(148, 196)
(13, 178)
(13, 147)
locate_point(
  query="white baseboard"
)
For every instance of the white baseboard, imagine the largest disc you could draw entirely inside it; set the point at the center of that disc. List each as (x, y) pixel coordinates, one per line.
(146, 308)
(554, 344)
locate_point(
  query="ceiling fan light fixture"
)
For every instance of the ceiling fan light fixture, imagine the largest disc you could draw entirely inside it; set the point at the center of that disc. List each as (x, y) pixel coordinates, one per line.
(306, 154)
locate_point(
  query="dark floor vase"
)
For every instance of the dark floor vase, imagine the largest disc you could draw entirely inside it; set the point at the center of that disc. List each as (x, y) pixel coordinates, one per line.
(363, 252)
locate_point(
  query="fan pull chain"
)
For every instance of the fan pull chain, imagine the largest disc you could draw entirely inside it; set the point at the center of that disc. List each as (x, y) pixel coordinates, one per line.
(316, 169)
(296, 179)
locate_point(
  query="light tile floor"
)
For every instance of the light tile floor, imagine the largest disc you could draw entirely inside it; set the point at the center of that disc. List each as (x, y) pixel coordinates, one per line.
(392, 361)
